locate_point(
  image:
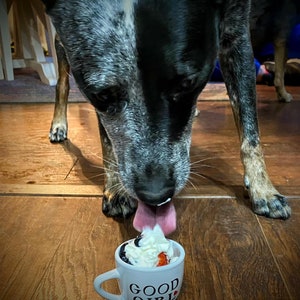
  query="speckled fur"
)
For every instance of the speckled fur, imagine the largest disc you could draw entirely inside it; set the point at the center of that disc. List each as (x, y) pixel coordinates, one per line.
(142, 65)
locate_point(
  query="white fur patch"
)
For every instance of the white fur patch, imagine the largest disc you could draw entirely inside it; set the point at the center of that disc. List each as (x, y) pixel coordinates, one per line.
(128, 9)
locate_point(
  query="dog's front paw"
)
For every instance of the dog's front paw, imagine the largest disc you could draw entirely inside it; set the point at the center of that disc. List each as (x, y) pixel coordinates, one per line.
(275, 207)
(118, 205)
(265, 198)
(283, 96)
(58, 132)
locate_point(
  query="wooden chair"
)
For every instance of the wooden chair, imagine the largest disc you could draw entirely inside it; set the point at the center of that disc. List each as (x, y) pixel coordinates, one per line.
(32, 33)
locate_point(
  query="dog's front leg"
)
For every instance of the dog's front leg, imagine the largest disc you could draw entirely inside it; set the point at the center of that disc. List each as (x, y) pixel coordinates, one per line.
(238, 68)
(116, 202)
(280, 55)
(59, 127)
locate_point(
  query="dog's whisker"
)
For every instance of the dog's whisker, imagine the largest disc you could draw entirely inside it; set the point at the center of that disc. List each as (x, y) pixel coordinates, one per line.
(203, 166)
(108, 161)
(97, 167)
(209, 166)
(117, 189)
(189, 181)
(186, 187)
(96, 176)
(198, 175)
(112, 166)
(194, 166)
(198, 155)
(202, 160)
(104, 168)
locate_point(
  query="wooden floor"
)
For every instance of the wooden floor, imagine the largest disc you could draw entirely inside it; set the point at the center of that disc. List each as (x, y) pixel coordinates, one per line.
(54, 239)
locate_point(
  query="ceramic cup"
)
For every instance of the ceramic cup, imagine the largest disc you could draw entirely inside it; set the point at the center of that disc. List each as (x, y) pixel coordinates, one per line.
(142, 283)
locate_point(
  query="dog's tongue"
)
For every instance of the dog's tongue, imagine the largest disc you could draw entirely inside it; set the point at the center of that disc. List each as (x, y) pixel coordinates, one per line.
(149, 216)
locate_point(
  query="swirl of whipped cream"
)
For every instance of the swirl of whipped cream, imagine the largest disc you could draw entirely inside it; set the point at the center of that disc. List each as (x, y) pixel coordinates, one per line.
(144, 250)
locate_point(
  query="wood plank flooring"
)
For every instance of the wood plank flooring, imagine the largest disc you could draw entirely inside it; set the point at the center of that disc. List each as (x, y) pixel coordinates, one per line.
(54, 240)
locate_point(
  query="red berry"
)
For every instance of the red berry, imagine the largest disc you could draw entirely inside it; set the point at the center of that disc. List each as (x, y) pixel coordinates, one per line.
(162, 259)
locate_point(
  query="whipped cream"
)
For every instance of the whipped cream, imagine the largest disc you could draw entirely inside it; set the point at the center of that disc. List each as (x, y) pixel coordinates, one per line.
(148, 249)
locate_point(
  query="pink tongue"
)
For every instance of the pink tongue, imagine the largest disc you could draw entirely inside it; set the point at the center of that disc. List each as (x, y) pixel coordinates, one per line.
(149, 216)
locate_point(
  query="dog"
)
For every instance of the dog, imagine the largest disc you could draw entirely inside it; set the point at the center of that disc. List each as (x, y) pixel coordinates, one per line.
(272, 22)
(142, 64)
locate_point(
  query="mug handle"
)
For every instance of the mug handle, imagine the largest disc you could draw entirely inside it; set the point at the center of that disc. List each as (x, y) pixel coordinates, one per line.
(112, 274)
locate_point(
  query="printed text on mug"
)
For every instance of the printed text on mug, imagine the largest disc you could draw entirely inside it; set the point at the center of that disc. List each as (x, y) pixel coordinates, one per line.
(166, 291)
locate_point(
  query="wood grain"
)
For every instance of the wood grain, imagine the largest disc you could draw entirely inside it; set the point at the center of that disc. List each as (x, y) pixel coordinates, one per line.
(65, 242)
(228, 257)
(284, 243)
(54, 240)
(31, 231)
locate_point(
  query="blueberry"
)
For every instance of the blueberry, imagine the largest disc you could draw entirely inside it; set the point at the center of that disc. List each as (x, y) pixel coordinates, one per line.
(123, 254)
(137, 240)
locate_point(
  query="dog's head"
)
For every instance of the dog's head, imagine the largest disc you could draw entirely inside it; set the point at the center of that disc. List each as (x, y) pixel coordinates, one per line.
(137, 64)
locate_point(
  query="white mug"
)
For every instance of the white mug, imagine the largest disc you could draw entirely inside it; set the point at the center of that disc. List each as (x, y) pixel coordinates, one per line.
(144, 283)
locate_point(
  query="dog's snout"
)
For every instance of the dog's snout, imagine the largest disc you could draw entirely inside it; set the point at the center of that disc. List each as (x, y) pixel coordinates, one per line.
(155, 185)
(155, 197)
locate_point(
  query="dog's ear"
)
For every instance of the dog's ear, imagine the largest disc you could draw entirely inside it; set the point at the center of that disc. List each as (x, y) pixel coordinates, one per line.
(49, 3)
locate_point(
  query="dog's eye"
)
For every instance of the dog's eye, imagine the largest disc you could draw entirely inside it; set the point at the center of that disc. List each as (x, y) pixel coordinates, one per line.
(109, 101)
(100, 101)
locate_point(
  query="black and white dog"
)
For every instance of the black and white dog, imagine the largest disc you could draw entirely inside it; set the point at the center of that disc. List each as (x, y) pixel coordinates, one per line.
(142, 64)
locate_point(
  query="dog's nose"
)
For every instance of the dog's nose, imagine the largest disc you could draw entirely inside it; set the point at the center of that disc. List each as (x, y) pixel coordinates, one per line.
(155, 197)
(155, 185)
